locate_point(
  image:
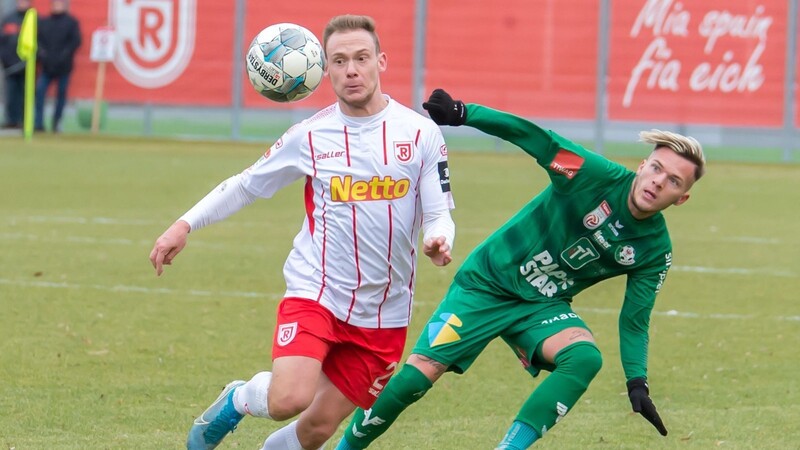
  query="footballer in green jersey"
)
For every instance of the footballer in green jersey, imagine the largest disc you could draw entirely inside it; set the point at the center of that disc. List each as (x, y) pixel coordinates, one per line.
(595, 220)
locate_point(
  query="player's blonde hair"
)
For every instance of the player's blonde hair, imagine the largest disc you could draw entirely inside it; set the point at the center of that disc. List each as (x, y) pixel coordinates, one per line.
(350, 22)
(686, 146)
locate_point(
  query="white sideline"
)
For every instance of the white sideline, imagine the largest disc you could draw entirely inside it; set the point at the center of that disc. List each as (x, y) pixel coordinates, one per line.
(276, 297)
(218, 246)
(756, 240)
(138, 289)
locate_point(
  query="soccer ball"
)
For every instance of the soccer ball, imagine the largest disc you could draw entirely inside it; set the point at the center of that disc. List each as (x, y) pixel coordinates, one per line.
(285, 62)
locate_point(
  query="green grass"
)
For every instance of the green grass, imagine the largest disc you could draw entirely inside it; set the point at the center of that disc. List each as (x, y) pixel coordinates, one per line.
(98, 353)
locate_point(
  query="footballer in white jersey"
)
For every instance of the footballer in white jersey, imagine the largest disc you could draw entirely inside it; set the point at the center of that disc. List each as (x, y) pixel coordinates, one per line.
(375, 176)
(368, 182)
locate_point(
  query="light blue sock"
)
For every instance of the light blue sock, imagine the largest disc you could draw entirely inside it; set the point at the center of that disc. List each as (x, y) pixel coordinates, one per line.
(519, 437)
(345, 445)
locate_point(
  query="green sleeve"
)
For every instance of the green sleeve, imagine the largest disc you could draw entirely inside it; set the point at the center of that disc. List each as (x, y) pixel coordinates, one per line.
(571, 167)
(634, 321)
(540, 143)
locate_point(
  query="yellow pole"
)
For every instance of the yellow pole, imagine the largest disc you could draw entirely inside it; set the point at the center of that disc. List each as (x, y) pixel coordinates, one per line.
(26, 49)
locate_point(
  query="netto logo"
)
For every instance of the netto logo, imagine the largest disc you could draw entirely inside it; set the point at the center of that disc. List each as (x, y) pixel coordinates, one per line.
(386, 188)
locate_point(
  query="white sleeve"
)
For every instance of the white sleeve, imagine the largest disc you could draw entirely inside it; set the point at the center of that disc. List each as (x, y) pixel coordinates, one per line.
(435, 192)
(227, 198)
(281, 165)
(439, 223)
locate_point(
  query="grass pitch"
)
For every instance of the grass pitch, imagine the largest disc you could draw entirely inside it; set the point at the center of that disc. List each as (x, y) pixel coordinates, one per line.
(98, 353)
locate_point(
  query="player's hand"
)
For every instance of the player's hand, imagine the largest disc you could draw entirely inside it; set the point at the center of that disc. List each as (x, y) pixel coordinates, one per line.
(168, 245)
(438, 250)
(639, 393)
(444, 110)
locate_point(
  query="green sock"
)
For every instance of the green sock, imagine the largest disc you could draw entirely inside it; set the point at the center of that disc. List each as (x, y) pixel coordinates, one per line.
(403, 389)
(576, 366)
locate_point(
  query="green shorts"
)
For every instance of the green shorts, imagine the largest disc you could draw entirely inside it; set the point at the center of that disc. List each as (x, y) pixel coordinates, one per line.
(467, 320)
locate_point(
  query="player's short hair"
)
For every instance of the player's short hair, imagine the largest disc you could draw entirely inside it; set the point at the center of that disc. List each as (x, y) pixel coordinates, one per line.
(686, 146)
(350, 22)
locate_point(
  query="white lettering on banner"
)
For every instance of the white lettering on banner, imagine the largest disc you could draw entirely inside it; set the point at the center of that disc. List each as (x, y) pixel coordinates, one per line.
(656, 14)
(717, 24)
(728, 72)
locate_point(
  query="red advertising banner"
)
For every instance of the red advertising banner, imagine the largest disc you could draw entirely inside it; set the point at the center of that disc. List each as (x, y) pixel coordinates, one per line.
(168, 52)
(691, 61)
(531, 58)
(797, 77)
(709, 61)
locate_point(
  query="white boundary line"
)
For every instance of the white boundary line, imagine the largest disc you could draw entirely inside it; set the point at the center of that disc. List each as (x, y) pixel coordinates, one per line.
(276, 297)
(756, 240)
(202, 244)
(138, 289)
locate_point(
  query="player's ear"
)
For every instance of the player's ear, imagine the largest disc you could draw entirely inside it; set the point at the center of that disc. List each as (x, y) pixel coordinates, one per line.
(383, 62)
(683, 199)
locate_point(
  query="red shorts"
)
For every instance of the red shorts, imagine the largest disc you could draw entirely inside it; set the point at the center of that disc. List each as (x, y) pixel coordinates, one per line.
(358, 361)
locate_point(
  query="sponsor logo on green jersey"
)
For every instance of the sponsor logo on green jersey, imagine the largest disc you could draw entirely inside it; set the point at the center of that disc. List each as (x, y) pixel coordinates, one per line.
(545, 275)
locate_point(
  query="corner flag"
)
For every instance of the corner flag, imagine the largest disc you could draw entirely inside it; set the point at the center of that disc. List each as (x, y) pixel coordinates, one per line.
(26, 49)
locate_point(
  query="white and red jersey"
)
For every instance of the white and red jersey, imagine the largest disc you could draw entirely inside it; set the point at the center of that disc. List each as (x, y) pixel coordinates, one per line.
(368, 182)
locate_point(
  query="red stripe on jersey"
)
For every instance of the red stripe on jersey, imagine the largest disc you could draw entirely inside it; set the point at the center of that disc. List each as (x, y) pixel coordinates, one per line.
(385, 155)
(418, 218)
(309, 201)
(324, 241)
(416, 139)
(389, 259)
(347, 145)
(358, 267)
(309, 190)
(411, 281)
(311, 148)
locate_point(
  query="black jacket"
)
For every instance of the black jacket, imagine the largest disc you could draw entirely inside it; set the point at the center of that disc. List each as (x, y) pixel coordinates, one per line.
(9, 36)
(59, 39)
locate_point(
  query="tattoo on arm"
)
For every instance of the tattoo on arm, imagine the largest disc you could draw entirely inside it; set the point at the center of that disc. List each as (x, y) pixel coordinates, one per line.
(580, 335)
(438, 367)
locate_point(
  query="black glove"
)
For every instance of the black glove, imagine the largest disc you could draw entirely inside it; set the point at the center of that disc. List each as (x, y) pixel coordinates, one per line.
(444, 110)
(639, 393)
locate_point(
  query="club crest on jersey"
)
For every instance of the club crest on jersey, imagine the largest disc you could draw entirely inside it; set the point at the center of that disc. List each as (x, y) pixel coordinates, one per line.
(625, 255)
(597, 216)
(443, 149)
(403, 152)
(286, 333)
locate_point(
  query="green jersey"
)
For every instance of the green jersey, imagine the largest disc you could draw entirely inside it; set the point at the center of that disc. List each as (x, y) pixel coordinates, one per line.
(574, 234)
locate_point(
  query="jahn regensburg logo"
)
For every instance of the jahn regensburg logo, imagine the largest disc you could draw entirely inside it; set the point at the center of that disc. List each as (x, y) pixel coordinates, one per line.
(155, 39)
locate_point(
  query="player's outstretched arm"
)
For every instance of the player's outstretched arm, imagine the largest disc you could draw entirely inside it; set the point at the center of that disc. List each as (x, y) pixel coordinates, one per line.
(639, 394)
(540, 143)
(168, 245)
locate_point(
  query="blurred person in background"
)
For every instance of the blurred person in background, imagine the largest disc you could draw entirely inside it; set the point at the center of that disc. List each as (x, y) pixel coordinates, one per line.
(59, 40)
(376, 176)
(13, 67)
